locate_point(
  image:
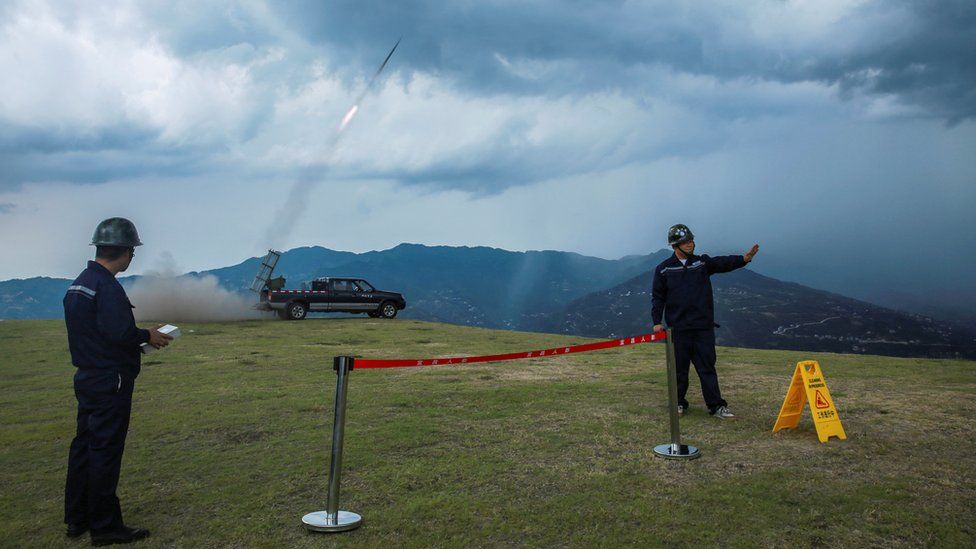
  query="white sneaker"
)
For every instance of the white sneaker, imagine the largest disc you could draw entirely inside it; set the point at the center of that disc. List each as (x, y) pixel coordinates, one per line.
(681, 410)
(723, 412)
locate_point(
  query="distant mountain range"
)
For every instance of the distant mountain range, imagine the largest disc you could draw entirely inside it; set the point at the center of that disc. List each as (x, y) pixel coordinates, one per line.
(760, 312)
(569, 293)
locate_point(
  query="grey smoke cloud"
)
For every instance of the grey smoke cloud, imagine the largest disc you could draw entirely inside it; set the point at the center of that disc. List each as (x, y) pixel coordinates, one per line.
(164, 295)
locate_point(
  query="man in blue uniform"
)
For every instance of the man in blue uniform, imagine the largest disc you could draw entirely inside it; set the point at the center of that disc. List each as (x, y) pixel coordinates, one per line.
(105, 347)
(682, 294)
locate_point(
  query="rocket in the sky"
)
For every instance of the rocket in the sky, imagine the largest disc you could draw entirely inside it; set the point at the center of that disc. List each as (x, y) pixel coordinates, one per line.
(351, 113)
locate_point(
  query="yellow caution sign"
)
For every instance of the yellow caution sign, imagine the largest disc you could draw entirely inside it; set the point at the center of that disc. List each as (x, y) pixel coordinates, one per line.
(808, 380)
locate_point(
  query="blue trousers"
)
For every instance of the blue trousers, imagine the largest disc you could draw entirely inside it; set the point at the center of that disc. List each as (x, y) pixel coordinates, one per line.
(95, 459)
(697, 347)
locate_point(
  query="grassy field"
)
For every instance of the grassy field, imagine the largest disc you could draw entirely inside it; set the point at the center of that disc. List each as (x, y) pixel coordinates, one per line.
(228, 445)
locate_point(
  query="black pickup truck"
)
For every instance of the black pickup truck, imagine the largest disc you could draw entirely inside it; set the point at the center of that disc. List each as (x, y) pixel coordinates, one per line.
(330, 295)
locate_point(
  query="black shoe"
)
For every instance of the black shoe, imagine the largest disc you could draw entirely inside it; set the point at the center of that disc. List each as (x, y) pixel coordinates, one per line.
(121, 535)
(75, 530)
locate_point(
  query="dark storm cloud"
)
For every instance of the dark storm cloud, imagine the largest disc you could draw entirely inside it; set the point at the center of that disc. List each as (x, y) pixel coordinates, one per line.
(920, 51)
(94, 155)
(18, 139)
(917, 52)
(509, 159)
(192, 28)
(462, 40)
(931, 64)
(98, 159)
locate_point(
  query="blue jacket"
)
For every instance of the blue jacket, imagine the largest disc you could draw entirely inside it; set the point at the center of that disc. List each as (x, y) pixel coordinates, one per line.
(102, 332)
(683, 293)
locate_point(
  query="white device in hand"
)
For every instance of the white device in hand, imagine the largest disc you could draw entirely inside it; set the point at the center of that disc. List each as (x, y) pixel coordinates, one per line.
(167, 329)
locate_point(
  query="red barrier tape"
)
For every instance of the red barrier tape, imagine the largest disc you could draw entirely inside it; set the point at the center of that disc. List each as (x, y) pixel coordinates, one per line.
(610, 343)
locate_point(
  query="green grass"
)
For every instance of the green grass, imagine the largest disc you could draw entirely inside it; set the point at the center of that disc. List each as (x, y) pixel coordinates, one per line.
(231, 426)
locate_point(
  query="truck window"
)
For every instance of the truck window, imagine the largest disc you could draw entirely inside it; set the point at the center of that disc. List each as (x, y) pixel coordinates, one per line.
(364, 286)
(341, 285)
(319, 285)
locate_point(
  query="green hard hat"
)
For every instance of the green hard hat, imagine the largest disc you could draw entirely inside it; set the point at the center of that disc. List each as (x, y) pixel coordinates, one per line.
(116, 231)
(678, 234)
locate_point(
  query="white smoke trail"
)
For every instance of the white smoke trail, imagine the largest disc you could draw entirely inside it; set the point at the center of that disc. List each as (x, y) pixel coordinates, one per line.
(283, 223)
(295, 205)
(163, 295)
(297, 202)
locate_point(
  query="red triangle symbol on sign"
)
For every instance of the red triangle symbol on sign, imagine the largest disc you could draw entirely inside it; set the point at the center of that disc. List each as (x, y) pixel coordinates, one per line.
(822, 401)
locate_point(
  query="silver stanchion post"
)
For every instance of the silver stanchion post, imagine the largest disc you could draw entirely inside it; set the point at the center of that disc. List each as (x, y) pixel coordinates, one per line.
(675, 450)
(332, 519)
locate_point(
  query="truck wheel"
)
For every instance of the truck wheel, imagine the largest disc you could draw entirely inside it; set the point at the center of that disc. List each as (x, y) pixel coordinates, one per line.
(296, 310)
(388, 309)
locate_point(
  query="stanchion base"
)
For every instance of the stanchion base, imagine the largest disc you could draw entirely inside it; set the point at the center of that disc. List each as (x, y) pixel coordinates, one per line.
(677, 451)
(320, 522)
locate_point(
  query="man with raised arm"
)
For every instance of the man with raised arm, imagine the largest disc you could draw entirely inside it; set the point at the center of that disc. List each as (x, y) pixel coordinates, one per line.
(682, 295)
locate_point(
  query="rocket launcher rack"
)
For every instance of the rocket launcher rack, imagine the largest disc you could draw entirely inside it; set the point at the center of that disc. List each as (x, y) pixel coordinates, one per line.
(267, 267)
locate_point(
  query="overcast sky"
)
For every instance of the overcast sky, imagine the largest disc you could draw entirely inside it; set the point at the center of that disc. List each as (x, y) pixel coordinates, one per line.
(839, 135)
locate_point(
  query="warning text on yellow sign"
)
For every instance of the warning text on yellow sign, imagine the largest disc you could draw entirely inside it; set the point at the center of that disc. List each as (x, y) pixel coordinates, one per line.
(808, 381)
